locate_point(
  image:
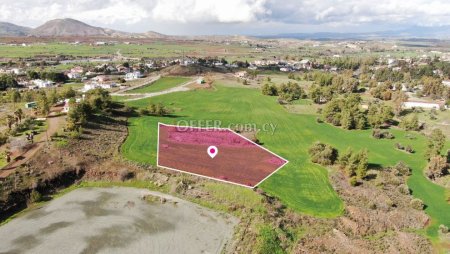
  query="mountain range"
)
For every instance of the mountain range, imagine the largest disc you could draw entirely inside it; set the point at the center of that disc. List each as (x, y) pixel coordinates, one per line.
(68, 28)
(74, 28)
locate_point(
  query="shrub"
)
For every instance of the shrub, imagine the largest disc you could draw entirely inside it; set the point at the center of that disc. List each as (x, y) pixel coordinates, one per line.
(409, 149)
(399, 146)
(378, 134)
(443, 229)
(323, 154)
(353, 181)
(403, 189)
(144, 112)
(268, 241)
(416, 204)
(402, 169)
(35, 196)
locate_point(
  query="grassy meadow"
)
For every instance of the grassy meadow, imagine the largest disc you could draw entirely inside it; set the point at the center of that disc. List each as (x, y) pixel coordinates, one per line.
(301, 185)
(161, 84)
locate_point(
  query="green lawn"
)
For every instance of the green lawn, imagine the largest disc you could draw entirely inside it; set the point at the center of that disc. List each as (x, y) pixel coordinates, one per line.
(161, 84)
(301, 185)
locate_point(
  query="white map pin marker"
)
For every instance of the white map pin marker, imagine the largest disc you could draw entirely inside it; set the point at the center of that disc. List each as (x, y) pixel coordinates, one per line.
(212, 151)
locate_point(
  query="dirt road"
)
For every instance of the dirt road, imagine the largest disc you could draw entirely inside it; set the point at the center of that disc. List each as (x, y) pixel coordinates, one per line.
(54, 124)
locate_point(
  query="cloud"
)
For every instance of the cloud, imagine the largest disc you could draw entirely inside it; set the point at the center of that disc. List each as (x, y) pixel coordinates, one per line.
(209, 11)
(327, 13)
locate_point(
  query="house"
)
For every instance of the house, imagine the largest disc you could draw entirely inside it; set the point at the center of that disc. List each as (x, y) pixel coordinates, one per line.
(32, 104)
(95, 85)
(304, 64)
(133, 75)
(77, 69)
(423, 104)
(74, 75)
(241, 74)
(392, 62)
(42, 83)
(446, 82)
(200, 81)
(66, 107)
(285, 69)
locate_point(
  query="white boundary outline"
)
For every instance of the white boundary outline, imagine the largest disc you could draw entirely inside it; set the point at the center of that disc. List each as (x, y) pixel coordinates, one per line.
(212, 178)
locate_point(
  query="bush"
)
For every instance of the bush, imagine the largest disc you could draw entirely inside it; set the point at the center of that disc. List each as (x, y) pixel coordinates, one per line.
(268, 241)
(403, 189)
(35, 196)
(144, 112)
(353, 181)
(378, 134)
(416, 204)
(323, 154)
(443, 229)
(401, 169)
(409, 149)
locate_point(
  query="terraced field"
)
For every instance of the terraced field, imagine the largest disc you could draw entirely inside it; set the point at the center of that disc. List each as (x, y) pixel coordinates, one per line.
(301, 185)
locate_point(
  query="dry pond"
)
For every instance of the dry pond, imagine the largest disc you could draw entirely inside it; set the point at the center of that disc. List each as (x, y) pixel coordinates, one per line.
(118, 220)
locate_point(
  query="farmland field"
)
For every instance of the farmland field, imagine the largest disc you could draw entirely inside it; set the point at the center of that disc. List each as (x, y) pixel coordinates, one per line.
(301, 185)
(161, 84)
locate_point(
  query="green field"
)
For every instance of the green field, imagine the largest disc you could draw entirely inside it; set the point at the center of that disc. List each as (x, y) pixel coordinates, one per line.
(301, 185)
(161, 84)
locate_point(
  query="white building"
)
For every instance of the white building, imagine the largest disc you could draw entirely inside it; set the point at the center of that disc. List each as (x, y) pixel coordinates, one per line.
(74, 75)
(133, 75)
(95, 85)
(42, 83)
(423, 104)
(446, 82)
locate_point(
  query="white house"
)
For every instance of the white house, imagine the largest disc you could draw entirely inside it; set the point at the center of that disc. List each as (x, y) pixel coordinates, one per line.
(446, 82)
(74, 75)
(241, 74)
(285, 69)
(42, 83)
(133, 75)
(423, 104)
(66, 107)
(94, 85)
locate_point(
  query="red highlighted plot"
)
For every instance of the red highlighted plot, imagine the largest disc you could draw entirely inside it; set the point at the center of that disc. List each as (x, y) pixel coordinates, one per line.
(216, 153)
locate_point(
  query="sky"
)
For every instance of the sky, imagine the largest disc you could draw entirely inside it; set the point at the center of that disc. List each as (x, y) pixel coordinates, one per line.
(247, 17)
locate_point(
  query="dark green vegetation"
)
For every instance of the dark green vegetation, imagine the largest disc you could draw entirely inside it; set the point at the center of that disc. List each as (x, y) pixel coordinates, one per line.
(301, 184)
(161, 84)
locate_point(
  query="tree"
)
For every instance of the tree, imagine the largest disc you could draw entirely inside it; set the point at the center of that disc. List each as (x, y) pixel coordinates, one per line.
(437, 167)
(436, 142)
(10, 120)
(345, 112)
(269, 89)
(323, 154)
(399, 98)
(53, 96)
(43, 104)
(290, 91)
(99, 99)
(68, 93)
(354, 164)
(19, 114)
(410, 123)
(379, 114)
(7, 81)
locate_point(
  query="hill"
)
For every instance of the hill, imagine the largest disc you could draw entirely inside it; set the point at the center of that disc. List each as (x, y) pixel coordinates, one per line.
(8, 29)
(71, 27)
